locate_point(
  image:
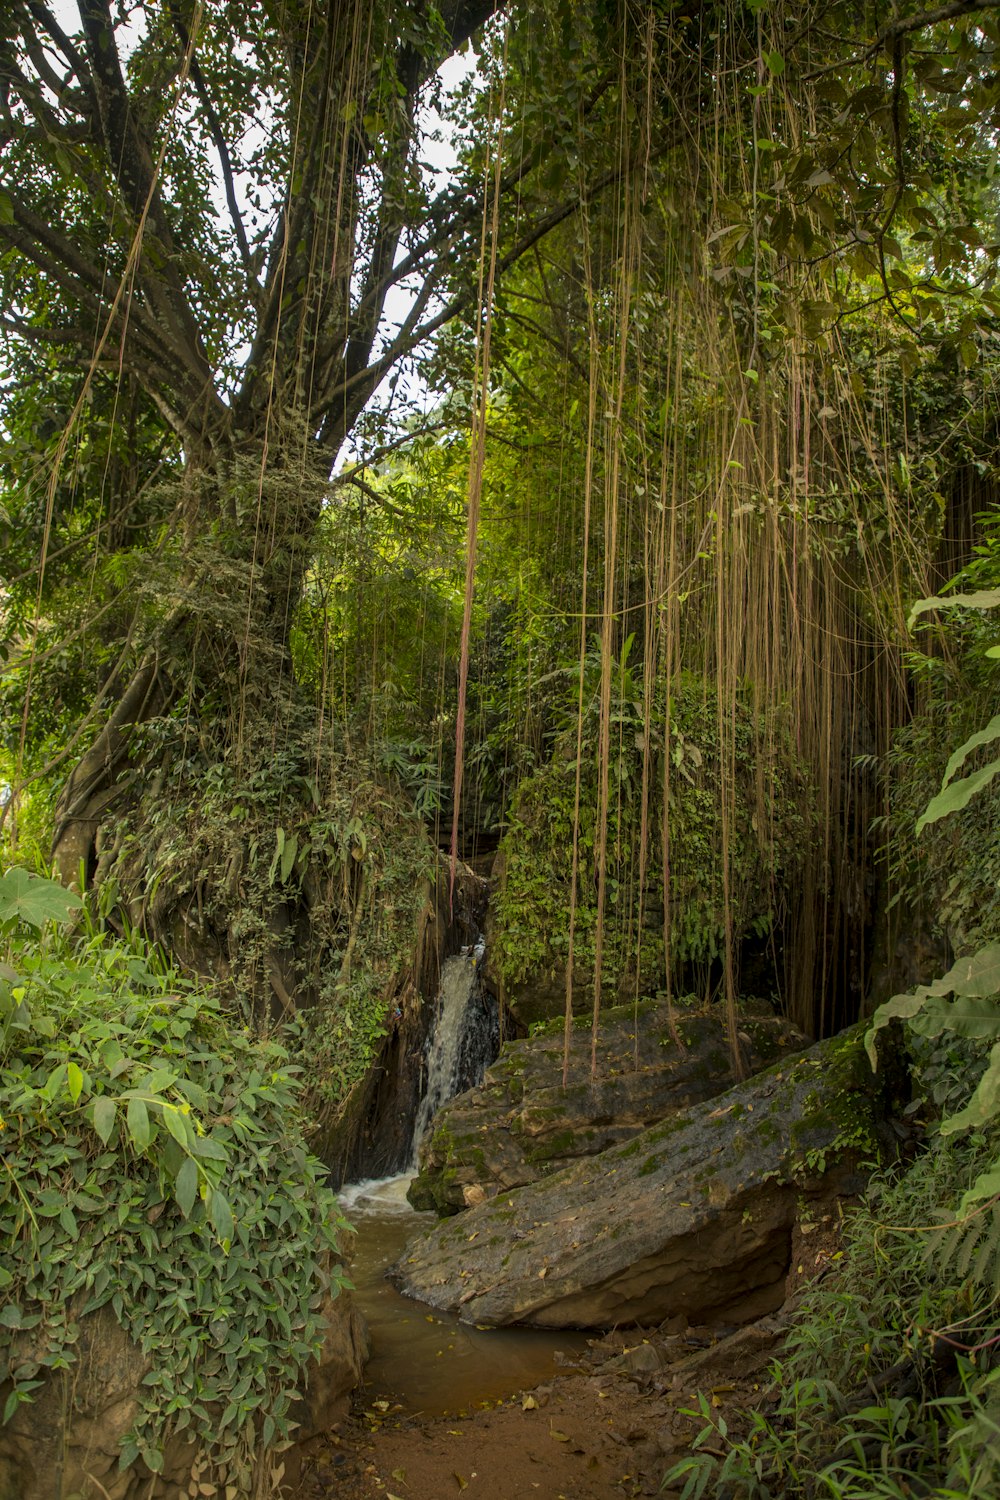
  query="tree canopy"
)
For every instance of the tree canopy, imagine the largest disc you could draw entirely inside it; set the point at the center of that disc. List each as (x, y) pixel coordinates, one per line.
(696, 330)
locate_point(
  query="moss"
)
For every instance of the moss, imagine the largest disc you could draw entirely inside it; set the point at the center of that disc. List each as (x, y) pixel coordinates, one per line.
(650, 1165)
(559, 1145)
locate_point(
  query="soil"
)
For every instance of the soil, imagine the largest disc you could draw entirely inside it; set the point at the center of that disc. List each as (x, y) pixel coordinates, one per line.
(610, 1428)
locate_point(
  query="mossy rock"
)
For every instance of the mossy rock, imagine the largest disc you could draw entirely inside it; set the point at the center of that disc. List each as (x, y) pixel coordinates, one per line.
(522, 1123)
(693, 1217)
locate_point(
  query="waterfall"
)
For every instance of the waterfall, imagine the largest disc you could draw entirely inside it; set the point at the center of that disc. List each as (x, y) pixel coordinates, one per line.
(465, 1039)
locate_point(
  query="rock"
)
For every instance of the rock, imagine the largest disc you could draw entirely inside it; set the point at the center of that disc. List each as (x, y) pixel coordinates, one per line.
(67, 1440)
(520, 1124)
(693, 1216)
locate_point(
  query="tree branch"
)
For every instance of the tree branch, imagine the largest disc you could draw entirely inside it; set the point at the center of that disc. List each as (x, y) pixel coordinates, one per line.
(215, 129)
(901, 27)
(131, 163)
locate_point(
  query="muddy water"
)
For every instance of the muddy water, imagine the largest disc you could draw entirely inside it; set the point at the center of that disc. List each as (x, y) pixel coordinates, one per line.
(424, 1360)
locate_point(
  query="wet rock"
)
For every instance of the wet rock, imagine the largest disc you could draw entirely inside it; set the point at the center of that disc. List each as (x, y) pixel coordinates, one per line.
(520, 1124)
(692, 1217)
(66, 1442)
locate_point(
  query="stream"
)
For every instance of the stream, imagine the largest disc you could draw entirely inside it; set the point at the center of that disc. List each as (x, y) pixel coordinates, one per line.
(422, 1360)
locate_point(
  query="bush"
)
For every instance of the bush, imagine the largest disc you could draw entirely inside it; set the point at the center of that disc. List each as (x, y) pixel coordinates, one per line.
(885, 1389)
(770, 829)
(153, 1161)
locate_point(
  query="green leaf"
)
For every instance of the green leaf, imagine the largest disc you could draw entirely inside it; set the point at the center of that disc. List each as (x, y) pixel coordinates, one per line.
(178, 1125)
(10, 1315)
(775, 63)
(981, 737)
(74, 1081)
(6, 210)
(207, 1148)
(29, 898)
(221, 1216)
(186, 1186)
(288, 857)
(129, 1454)
(986, 1185)
(958, 795)
(138, 1123)
(975, 980)
(984, 1103)
(158, 1080)
(153, 1459)
(982, 599)
(104, 1117)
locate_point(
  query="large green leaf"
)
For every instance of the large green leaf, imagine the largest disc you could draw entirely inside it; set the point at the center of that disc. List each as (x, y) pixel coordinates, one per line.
(974, 980)
(981, 599)
(981, 737)
(958, 795)
(984, 1103)
(31, 899)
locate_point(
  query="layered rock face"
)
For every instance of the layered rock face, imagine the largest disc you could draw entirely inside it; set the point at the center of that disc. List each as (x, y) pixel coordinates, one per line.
(521, 1124)
(692, 1217)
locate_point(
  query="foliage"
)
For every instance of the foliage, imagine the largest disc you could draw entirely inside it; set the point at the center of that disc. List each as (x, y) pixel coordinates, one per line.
(769, 832)
(293, 872)
(854, 1411)
(153, 1164)
(973, 981)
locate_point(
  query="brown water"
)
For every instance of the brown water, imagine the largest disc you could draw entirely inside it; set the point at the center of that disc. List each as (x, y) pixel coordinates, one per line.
(424, 1360)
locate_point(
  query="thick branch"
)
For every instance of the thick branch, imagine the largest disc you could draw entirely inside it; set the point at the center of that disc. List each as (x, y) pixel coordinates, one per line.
(131, 163)
(46, 20)
(904, 26)
(215, 129)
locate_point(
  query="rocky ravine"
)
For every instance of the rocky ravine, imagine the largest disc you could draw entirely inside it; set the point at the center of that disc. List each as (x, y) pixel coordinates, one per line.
(692, 1217)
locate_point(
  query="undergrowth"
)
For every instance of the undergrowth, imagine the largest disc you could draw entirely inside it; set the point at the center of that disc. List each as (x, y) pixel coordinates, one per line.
(886, 1388)
(153, 1166)
(293, 873)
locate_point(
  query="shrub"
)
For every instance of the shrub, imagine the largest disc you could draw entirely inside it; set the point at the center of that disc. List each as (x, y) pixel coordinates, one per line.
(153, 1162)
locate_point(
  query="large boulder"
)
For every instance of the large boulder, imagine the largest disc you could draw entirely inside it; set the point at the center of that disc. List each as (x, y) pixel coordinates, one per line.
(65, 1444)
(692, 1217)
(521, 1124)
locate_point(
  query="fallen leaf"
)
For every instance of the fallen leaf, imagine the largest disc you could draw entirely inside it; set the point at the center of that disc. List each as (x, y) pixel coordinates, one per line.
(544, 1271)
(463, 1484)
(560, 1437)
(399, 1475)
(528, 1403)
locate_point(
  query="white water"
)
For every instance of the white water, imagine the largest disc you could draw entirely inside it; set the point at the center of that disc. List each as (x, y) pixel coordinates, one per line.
(428, 1361)
(449, 1043)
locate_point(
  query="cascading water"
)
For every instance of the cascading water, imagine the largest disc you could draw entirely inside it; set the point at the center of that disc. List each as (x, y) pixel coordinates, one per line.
(464, 1041)
(432, 1362)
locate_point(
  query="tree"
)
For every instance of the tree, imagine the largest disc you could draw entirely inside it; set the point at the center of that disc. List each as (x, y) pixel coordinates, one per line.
(211, 203)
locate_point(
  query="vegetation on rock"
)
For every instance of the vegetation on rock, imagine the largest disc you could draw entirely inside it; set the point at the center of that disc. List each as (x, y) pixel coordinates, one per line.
(154, 1164)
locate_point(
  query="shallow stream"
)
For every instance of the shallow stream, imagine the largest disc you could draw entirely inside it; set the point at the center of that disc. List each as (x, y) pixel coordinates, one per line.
(424, 1360)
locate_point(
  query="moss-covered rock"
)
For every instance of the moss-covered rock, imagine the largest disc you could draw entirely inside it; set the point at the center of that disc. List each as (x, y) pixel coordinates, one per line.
(694, 1216)
(522, 1123)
